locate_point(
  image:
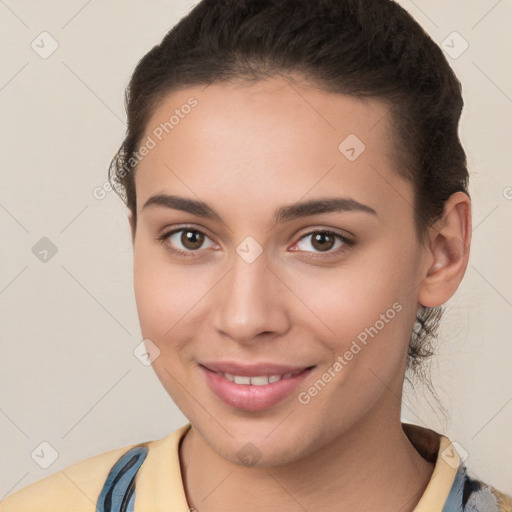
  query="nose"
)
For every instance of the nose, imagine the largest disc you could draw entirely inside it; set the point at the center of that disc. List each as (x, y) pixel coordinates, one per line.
(251, 302)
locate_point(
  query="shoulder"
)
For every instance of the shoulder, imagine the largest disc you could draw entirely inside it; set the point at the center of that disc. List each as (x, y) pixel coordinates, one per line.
(75, 488)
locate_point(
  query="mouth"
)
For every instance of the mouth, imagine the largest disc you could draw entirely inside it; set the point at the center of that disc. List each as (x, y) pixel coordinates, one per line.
(253, 388)
(253, 370)
(258, 380)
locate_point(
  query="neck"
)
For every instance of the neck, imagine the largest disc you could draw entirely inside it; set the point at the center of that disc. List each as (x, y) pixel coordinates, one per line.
(376, 468)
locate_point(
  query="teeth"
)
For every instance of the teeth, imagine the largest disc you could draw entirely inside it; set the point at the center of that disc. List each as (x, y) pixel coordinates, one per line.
(256, 381)
(242, 380)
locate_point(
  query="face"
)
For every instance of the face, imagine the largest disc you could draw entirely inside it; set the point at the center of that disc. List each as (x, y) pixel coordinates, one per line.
(247, 279)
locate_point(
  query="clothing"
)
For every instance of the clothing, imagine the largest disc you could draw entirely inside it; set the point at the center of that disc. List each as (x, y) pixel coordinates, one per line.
(146, 477)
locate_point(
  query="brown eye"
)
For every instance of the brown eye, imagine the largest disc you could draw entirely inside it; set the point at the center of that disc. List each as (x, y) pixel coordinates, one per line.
(185, 241)
(323, 241)
(191, 239)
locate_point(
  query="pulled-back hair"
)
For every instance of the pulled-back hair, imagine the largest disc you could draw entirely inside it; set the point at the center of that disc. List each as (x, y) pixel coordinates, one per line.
(363, 48)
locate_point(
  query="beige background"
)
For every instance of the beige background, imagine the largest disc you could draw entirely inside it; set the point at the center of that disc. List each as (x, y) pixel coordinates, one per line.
(69, 326)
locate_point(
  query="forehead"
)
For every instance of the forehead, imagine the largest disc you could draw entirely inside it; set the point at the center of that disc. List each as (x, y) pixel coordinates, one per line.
(271, 141)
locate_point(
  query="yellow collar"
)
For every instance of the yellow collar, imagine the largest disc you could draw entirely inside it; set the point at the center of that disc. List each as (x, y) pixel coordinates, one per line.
(159, 482)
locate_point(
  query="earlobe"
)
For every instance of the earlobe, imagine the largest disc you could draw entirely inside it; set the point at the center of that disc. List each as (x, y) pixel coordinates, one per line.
(448, 252)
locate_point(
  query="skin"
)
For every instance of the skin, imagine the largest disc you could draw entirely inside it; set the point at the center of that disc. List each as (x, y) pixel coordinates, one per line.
(247, 150)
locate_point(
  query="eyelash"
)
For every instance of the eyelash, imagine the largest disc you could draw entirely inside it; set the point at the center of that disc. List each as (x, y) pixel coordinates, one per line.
(346, 242)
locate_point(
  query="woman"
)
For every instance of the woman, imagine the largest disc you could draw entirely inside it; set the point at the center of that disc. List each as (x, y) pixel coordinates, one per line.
(297, 195)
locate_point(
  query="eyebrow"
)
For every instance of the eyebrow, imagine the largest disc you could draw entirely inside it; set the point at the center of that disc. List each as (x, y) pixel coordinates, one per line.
(285, 213)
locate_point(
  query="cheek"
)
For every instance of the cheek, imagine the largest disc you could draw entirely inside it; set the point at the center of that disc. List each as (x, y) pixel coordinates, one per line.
(170, 298)
(368, 347)
(364, 311)
(160, 295)
(343, 301)
(163, 298)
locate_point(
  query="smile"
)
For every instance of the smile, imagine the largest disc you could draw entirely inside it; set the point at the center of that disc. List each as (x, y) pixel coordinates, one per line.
(255, 392)
(261, 380)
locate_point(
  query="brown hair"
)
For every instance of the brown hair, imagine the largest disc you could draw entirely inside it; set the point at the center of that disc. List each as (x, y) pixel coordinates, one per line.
(364, 48)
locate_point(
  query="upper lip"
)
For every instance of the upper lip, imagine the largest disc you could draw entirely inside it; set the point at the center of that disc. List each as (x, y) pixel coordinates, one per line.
(252, 370)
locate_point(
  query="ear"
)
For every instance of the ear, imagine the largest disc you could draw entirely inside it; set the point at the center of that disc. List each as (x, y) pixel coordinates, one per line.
(131, 220)
(448, 254)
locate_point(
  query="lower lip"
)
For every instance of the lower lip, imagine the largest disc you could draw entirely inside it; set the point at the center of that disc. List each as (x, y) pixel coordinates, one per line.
(249, 397)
